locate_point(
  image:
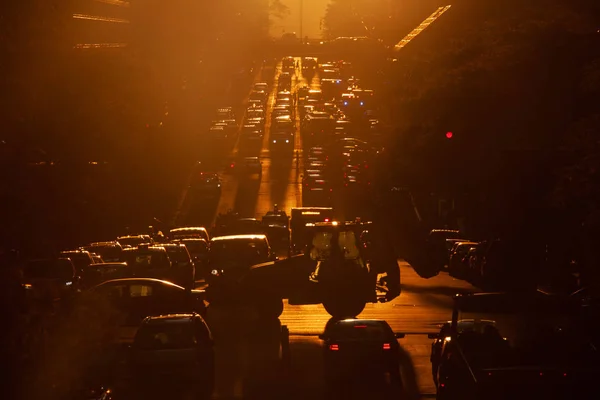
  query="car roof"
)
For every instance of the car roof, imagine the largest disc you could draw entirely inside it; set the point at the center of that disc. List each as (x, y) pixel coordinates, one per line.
(109, 264)
(139, 280)
(238, 237)
(170, 319)
(189, 228)
(155, 249)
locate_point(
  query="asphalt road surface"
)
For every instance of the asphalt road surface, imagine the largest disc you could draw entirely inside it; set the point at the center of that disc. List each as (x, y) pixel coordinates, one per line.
(249, 356)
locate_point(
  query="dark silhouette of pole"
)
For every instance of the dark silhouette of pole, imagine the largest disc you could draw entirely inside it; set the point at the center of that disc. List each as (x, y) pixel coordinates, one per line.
(301, 21)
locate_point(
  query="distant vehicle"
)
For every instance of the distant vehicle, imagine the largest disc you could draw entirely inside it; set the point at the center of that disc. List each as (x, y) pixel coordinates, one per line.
(261, 86)
(50, 280)
(459, 259)
(184, 272)
(133, 299)
(248, 165)
(438, 247)
(282, 141)
(149, 262)
(276, 224)
(283, 124)
(225, 113)
(102, 272)
(510, 346)
(109, 251)
(358, 348)
(190, 232)
(177, 349)
(198, 249)
(81, 259)
(230, 259)
(134, 240)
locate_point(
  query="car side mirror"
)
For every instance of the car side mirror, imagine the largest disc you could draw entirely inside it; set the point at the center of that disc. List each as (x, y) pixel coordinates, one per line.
(322, 337)
(400, 335)
(433, 335)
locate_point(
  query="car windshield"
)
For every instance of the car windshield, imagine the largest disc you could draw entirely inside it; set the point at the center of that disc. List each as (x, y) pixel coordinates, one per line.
(246, 252)
(165, 336)
(146, 259)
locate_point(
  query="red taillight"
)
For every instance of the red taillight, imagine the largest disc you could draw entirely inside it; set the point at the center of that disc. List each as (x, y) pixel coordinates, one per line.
(387, 346)
(331, 190)
(334, 347)
(326, 219)
(232, 165)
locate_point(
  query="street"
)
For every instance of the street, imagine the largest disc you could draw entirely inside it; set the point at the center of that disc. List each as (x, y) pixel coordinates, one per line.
(242, 355)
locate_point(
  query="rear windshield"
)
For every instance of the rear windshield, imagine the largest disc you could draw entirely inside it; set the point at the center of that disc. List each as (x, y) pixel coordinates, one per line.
(165, 336)
(359, 331)
(248, 252)
(152, 259)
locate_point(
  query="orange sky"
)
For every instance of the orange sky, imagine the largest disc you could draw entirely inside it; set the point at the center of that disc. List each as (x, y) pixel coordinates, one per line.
(313, 13)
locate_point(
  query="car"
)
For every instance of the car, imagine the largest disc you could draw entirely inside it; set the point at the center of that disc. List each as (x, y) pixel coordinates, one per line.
(231, 256)
(283, 124)
(198, 249)
(130, 300)
(249, 165)
(206, 185)
(174, 349)
(282, 141)
(459, 260)
(225, 113)
(360, 347)
(276, 224)
(81, 259)
(513, 345)
(109, 251)
(190, 232)
(149, 261)
(50, 280)
(102, 272)
(184, 272)
(261, 86)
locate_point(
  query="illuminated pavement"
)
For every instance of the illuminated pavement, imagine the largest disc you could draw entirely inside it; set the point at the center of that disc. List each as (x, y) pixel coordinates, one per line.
(245, 357)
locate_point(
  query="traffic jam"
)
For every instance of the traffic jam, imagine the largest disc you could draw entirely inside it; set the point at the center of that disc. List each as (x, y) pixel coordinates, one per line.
(162, 286)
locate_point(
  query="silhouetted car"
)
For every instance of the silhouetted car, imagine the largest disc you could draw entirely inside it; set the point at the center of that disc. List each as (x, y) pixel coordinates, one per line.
(512, 346)
(81, 259)
(359, 347)
(102, 272)
(50, 280)
(149, 262)
(183, 270)
(190, 232)
(174, 349)
(459, 259)
(133, 299)
(109, 251)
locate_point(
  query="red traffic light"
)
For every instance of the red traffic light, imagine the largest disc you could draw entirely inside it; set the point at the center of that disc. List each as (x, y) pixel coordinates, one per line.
(449, 135)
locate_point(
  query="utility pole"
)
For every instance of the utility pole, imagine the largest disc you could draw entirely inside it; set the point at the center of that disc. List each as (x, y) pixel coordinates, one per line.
(301, 21)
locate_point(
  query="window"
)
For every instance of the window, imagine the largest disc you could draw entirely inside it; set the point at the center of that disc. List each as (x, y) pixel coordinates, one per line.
(165, 336)
(140, 290)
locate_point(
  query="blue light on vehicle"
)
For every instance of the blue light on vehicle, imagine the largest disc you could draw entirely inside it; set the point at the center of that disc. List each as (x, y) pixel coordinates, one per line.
(345, 103)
